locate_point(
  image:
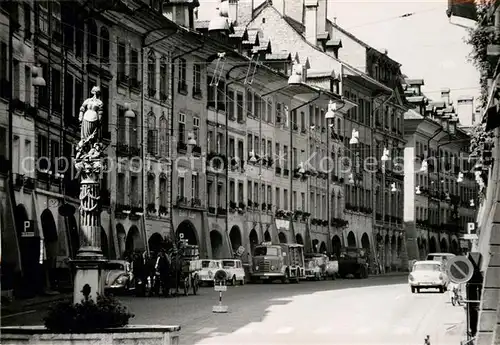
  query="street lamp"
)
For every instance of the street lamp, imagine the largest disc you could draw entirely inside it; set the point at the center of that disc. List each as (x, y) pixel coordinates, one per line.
(424, 166)
(471, 203)
(351, 178)
(460, 177)
(330, 114)
(37, 73)
(393, 187)
(385, 156)
(191, 140)
(417, 190)
(301, 168)
(129, 113)
(252, 159)
(354, 137)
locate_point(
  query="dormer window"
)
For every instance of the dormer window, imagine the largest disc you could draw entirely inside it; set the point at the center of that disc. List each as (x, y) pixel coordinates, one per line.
(155, 5)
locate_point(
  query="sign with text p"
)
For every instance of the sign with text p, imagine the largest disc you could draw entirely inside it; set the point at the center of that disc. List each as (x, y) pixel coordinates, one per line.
(28, 229)
(28, 226)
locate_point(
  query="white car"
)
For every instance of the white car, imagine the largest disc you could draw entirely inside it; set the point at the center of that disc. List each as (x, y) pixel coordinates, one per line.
(234, 270)
(207, 271)
(332, 269)
(428, 275)
(439, 256)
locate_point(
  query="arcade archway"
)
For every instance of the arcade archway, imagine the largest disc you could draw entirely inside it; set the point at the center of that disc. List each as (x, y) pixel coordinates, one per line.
(454, 247)
(253, 239)
(21, 215)
(444, 245)
(433, 245)
(365, 241)
(322, 248)
(216, 242)
(104, 244)
(49, 233)
(299, 239)
(235, 237)
(351, 240)
(282, 237)
(74, 237)
(156, 243)
(187, 231)
(50, 237)
(133, 241)
(315, 245)
(121, 237)
(336, 245)
(267, 236)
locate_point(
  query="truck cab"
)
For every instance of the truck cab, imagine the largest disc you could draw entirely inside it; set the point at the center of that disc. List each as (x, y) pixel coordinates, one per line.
(278, 261)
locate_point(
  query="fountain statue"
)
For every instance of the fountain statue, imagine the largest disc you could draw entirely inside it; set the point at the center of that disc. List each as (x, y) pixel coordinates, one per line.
(90, 164)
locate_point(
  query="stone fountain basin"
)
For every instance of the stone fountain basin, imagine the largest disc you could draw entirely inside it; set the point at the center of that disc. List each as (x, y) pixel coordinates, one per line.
(128, 335)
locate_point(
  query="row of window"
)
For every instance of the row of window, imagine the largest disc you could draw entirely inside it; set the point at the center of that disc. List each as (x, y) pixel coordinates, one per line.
(448, 185)
(431, 215)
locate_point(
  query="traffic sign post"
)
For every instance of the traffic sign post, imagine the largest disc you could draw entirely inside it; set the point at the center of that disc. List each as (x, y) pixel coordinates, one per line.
(220, 279)
(459, 269)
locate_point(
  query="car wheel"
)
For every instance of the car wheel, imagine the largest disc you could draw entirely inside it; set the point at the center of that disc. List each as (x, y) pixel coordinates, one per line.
(233, 281)
(418, 290)
(413, 289)
(441, 289)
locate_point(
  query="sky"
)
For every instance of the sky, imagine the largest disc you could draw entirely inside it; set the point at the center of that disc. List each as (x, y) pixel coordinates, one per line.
(426, 44)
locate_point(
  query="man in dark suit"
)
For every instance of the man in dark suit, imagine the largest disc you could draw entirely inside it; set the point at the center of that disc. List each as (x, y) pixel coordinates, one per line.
(163, 267)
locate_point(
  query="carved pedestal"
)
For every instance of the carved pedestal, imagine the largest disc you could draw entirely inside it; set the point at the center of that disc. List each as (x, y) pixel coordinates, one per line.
(90, 222)
(88, 278)
(89, 261)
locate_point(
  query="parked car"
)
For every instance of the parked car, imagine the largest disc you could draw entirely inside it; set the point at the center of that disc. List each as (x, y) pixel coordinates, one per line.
(332, 269)
(312, 270)
(207, 271)
(439, 256)
(118, 276)
(316, 266)
(234, 270)
(428, 274)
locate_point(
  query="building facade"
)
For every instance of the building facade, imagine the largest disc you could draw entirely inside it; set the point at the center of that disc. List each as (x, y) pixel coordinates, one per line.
(441, 192)
(314, 42)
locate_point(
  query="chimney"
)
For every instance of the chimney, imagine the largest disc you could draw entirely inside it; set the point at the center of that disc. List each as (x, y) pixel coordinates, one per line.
(311, 19)
(243, 10)
(445, 96)
(233, 12)
(291, 8)
(465, 111)
(322, 16)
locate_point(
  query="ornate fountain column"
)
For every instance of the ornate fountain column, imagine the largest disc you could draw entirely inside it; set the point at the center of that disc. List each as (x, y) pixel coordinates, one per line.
(89, 163)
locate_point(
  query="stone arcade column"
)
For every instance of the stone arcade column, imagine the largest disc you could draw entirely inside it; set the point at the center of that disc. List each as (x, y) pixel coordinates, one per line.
(89, 163)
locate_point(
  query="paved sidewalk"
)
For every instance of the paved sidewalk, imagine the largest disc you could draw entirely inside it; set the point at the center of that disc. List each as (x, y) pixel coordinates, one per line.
(19, 305)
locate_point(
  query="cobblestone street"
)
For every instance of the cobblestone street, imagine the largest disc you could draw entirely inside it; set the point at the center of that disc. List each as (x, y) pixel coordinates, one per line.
(380, 310)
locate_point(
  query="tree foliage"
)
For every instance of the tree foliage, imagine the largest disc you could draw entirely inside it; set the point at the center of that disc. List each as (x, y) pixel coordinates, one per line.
(479, 38)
